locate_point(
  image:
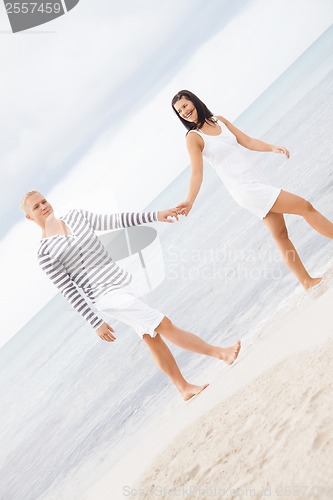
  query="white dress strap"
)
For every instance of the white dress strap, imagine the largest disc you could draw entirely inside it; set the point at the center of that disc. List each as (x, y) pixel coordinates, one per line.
(196, 131)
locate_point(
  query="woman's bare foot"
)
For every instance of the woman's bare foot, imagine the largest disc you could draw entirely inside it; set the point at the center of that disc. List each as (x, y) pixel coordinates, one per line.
(192, 390)
(307, 284)
(229, 354)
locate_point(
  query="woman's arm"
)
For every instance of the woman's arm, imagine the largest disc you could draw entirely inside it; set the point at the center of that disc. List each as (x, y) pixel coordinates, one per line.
(250, 143)
(195, 146)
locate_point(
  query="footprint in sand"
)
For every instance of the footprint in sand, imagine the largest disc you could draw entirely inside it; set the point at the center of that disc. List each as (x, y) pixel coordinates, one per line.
(316, 396)
(282, 429)
(206, 472)
(192, 473)
(322, 438)
(209, 433)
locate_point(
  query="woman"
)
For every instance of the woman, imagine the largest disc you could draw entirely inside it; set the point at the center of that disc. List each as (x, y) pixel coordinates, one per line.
(217, 140)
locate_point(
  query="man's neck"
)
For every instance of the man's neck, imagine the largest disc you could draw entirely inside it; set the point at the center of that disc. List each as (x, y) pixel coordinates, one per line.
(54, 227)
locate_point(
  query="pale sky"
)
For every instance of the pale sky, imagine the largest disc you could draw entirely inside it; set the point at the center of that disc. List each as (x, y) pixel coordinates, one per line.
(86, 110)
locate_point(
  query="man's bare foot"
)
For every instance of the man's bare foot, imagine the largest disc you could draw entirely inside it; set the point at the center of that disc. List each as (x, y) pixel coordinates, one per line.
(192, 390)
(229, 354)
(307, 284)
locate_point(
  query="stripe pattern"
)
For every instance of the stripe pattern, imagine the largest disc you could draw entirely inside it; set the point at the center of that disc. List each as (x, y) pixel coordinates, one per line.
(79, 264)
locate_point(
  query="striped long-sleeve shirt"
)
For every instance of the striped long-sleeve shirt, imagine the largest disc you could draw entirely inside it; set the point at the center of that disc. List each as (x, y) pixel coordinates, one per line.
(79, 262)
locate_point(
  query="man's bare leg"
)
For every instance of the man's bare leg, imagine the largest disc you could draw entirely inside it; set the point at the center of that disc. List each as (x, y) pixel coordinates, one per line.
(193, 343)
(167, 363)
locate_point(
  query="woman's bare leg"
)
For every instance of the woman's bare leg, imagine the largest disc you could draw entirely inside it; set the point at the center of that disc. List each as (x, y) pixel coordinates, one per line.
(289, 203)
(276, 225)
(193, 343)
(167, 363)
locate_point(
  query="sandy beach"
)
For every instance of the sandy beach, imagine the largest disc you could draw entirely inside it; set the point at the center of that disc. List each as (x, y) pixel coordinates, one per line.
(263, 428)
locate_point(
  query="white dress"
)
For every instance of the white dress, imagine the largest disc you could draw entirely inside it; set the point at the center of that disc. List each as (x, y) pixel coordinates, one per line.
(247, 186)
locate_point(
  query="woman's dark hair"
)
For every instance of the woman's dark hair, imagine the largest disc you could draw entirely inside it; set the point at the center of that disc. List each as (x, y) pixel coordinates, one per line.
(204, 113)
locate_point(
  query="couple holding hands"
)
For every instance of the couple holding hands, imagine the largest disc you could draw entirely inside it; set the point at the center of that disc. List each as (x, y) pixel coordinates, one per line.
(75, 260)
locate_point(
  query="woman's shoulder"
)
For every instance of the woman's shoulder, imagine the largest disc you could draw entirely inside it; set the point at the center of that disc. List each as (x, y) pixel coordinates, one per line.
(194, 140)
(194, 136)
(193, 132)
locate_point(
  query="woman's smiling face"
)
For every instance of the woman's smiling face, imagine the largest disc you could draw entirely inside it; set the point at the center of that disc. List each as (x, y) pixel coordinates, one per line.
(186, 110)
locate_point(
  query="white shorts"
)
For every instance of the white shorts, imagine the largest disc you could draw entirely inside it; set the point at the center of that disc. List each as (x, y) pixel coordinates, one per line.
(125, 306)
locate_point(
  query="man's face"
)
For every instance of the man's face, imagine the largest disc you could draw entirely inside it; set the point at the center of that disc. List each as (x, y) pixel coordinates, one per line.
(38, 209)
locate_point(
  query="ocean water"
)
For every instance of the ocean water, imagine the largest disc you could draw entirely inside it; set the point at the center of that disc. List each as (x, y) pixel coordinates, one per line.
(72, 405)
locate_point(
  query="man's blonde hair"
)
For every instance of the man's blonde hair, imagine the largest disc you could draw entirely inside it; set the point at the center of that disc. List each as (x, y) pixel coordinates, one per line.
(25, 197)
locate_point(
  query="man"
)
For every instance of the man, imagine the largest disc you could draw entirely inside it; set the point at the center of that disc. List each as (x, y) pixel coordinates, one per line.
(75, 260)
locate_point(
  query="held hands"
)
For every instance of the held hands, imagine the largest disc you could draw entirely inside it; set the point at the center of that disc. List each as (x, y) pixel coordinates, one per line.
(105, 332)
(184, 208)
(164, 215)
(181, 209)
(281, 149)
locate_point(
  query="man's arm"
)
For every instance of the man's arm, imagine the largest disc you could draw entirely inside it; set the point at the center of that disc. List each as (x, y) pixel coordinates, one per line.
(101, 222)
(57, 273)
